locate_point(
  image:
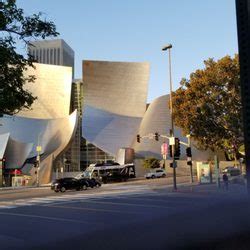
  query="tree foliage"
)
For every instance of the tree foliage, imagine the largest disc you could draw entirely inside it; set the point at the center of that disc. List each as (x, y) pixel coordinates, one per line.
(208, 105)
(15, 28)
(151, 163)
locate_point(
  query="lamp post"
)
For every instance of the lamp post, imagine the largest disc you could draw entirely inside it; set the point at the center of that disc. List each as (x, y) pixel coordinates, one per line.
(168, 47)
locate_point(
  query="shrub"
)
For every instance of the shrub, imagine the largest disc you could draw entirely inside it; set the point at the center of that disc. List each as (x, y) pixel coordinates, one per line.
(151, 163)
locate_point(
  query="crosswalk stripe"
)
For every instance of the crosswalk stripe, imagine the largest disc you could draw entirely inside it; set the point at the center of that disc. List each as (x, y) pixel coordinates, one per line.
(124, 191)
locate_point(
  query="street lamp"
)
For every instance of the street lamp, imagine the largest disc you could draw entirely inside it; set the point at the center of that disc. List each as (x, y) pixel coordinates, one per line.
(168, 47)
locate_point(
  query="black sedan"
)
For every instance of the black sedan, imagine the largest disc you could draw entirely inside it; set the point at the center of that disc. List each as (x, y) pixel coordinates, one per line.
(91, 182)
(64, 184)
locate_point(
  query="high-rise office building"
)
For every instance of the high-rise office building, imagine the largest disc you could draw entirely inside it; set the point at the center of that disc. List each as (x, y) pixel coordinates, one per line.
(56, 52)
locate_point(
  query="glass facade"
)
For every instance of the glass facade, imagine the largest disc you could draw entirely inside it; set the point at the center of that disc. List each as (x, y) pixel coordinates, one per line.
(81, 153)
(91, 154)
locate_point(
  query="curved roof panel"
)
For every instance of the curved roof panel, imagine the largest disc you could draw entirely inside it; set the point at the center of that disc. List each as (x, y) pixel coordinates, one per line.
(109, 131)
(158, 119)
(52, 135)
(3, 144)
(52, 88)
(114, 102)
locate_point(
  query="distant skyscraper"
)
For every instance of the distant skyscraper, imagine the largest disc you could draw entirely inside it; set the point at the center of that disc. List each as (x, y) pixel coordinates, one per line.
(56, 52)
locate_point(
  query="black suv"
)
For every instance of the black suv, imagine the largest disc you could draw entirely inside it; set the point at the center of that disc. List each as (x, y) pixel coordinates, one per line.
(68, 184)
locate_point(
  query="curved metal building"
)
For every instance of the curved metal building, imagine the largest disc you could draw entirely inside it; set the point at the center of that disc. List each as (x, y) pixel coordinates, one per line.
(47, 124)
(114, 102)
(52, 88)
(23, 135)
(157, 119)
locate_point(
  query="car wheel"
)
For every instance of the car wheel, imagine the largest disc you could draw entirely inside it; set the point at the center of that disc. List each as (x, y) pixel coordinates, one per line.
(163, 175)
(62, 189)
(153, 176)
(56, 190)
(84, 187)
(98, 185)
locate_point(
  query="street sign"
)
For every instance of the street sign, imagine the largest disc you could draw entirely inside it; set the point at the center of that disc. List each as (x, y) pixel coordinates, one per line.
(173, 164)
(38, 148)
(171, 141)
(164, 149)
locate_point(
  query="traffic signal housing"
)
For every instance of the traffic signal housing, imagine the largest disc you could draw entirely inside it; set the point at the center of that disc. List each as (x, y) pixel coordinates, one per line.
(138, 138)
(36, 164)
(177, 149)
(157, 136)
(188, 152)
(171, 150)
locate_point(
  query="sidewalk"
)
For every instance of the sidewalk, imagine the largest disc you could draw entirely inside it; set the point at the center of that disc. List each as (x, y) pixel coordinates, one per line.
(24, 187)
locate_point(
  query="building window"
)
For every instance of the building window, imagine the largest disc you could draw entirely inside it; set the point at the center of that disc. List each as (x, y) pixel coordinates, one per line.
(40, 55)
(58, 56)
(55, 56)
(44, 56)
(47, 61)
(51, 56)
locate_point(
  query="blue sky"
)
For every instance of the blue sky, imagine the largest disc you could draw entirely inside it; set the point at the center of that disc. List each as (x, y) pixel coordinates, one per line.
(136, 30)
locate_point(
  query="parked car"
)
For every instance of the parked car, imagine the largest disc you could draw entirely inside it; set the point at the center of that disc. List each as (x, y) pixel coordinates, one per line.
(157, 173)
(232, 171)
(64, 184)
(91, 182)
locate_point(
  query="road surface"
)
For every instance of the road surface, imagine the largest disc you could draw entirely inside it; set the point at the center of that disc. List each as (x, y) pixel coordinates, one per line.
(132, 215)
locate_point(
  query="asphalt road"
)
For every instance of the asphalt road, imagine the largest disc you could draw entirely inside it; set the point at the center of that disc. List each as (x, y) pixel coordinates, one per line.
(23, 193)
(133, 215)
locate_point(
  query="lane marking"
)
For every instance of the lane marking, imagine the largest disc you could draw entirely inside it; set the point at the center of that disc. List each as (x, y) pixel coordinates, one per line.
(111, 203)
(50, 218)
(6, 206)
(96, 210)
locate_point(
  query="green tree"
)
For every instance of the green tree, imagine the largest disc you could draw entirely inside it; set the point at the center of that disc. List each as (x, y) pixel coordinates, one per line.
(208, 105)
(15, 28)
(151, 163)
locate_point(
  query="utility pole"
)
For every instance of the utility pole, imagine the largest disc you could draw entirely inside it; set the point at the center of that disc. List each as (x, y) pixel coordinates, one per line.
(174, 165)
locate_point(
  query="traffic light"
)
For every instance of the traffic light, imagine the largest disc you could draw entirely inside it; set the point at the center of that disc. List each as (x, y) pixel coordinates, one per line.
(3, 163)
(36, 163)
(188, 152)
(177, 148)
(138, 138)
(157, 136)
(171, 150)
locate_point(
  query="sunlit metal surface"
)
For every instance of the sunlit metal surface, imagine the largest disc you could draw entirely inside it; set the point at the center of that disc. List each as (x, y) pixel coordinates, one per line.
(50, 134)
(114, 102)
(52, 88)
(3, 143)
(157, 119)
(16, 153)
(53, 135)
(109, 131)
